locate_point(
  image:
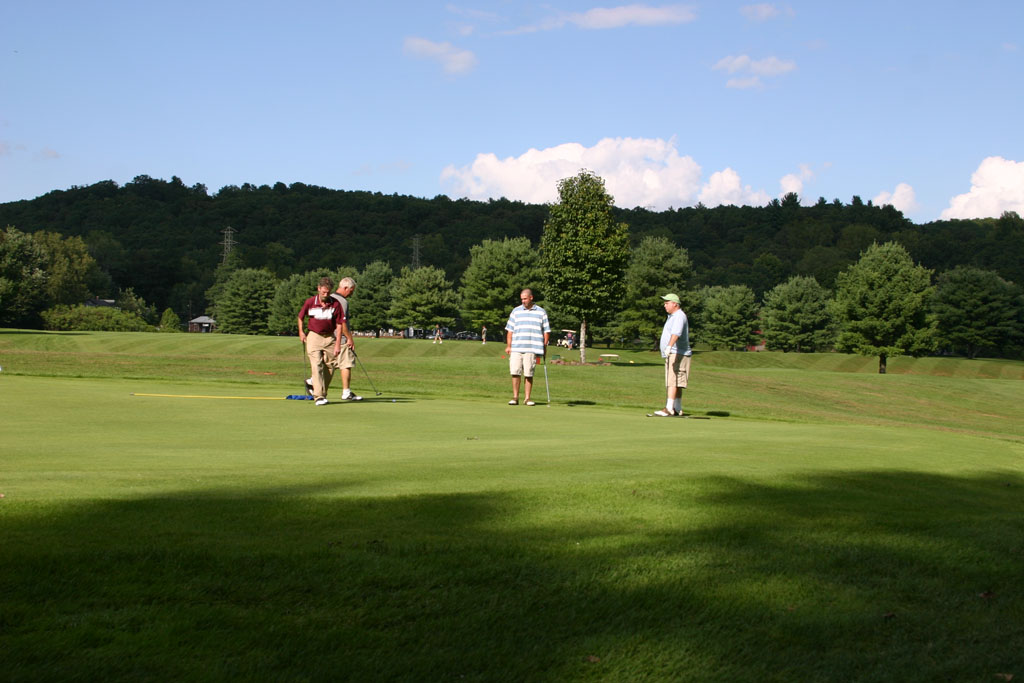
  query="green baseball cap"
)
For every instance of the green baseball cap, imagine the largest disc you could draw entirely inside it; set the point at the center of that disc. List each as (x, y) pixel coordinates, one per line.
(673, 298)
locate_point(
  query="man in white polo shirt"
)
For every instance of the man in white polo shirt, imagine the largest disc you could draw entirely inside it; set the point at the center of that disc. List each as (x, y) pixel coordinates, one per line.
(526, 337)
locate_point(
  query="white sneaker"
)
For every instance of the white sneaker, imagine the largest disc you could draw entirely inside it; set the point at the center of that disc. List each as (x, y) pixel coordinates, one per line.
(321, 401)
(351, 397)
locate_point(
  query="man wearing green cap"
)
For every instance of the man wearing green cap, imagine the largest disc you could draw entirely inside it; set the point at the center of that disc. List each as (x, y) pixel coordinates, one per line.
(675, 349)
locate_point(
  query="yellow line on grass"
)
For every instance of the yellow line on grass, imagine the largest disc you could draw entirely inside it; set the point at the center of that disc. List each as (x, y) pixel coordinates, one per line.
(248, 398)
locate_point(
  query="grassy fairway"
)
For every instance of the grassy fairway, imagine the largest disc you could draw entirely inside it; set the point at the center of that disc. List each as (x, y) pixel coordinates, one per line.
(837, 525)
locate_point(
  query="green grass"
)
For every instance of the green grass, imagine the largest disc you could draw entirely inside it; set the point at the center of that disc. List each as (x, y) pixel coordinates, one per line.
(837, 525)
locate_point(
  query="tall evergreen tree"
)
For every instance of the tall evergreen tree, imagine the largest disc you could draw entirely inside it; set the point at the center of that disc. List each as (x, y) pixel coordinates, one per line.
(977, 310)
(289, 294)
(498, 271)
(371, 302)
(795, 316)
(221, 275)
(881, 305)
(728, 317)
(584, 253)
(656, 267)
(244, 303)
(169, 321)
(423, 297)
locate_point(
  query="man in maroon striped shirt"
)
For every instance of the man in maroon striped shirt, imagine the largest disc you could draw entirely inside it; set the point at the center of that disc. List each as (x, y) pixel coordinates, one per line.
(327, 324)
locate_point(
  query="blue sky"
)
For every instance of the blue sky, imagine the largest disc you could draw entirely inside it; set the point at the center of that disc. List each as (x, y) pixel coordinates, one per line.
(914, 103)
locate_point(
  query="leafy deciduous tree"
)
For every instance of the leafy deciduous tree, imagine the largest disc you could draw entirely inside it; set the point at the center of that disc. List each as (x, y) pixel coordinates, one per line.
(795, 316)
(766, 271)
(881, 305)
(93, 318)
(823, 264)
(584, 252)
(71, 271)
(130, 302)
(22, 279)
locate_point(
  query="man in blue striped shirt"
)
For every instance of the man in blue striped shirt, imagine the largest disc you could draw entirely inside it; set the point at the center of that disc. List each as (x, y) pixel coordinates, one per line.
(526, 337)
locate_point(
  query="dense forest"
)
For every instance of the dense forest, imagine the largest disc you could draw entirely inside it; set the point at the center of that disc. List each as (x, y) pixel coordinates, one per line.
(164, 239)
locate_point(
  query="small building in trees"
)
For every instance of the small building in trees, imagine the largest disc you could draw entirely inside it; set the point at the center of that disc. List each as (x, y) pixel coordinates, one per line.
(203, 323)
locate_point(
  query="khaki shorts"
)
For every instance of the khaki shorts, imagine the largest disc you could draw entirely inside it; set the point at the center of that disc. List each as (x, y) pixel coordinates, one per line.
(521, 364)
(346, 359)
(677, 370)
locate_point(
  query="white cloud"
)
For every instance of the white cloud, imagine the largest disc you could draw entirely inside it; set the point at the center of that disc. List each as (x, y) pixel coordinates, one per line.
(732, 64)
(7, 148)
(771, 66)
(752, 70)
(997, 186)
(725, 187)
(637, 172)
(902, 199)
(475, 14)
(744, 83)
(794, 182)
(760, 12)
(617, 17)
(635, 15)
(452, 59)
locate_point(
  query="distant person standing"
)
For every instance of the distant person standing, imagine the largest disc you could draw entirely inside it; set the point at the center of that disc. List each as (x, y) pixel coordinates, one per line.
(675, 349)
(437, 335)
(527, 333)
(346, 360)
(483, 334)
(327, 325)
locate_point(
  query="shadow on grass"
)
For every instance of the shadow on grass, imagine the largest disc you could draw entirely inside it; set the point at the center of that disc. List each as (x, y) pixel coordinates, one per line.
(43, 332)
(636, 364)
(858, 576)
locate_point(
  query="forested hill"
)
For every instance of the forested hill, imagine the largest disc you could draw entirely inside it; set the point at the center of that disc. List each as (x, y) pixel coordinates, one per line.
(164, 238)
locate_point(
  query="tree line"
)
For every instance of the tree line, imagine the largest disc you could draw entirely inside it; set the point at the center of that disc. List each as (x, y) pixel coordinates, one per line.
(775, 274)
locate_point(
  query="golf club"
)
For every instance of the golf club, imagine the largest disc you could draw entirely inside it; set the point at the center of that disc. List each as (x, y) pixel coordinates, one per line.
(360, 363)
(547, 385)
(305, 363)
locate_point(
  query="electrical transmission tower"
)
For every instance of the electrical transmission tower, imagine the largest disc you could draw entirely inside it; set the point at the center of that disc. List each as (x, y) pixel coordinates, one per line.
(229, 242)
(416, 251)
